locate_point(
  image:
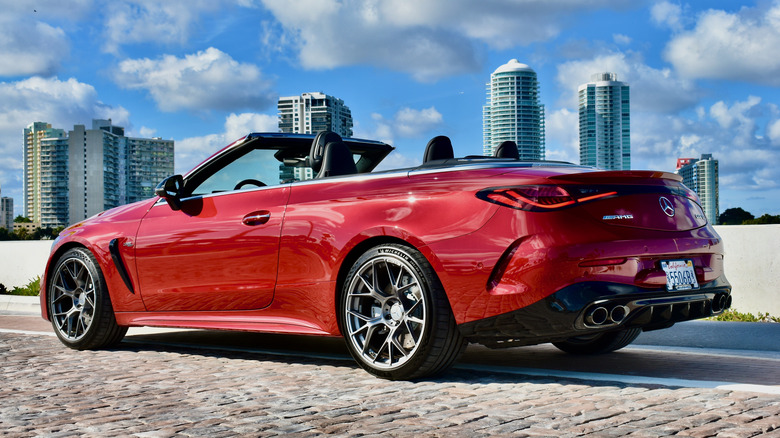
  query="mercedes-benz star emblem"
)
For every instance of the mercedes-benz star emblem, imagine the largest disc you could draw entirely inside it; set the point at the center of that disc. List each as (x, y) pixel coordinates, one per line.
(666, 206)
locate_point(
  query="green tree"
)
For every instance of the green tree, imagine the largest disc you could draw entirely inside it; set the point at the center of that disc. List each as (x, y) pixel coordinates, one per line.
(22, 220)
(763, 220)
(22, 233)
(734, 216)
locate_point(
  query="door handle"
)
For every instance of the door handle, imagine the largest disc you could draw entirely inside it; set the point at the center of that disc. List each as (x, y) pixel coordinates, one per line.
(256, 218)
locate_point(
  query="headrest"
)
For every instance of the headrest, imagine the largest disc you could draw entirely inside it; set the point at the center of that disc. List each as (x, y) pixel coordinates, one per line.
(318, 149)
(337, 160)
(507, 149)
(439, 148)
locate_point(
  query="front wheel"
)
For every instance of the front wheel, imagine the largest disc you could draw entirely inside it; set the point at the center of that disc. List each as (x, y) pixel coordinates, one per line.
(396, 317)
(79, 304)
(599, 343)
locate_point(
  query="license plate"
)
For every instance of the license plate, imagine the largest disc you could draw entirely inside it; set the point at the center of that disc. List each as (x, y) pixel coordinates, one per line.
(680, 275)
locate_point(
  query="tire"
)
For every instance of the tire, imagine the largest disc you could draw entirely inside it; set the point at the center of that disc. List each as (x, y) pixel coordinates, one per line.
(600, 343)
(79, 304)
(395, 316)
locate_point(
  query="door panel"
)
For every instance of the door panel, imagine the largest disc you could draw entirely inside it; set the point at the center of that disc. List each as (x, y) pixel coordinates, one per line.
(219, 252)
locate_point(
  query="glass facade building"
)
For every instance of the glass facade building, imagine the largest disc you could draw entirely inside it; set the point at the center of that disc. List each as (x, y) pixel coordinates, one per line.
(311, 113)
(605, 123)
(75, 176)
(314, 112)
(45, 197)
(701, 176)
(513, 111)
(6, 212)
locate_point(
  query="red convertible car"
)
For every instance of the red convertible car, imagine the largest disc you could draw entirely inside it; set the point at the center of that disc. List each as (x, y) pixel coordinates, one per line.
(287, 233)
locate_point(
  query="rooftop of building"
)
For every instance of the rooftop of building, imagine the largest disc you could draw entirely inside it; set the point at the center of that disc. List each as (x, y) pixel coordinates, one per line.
(512, 66)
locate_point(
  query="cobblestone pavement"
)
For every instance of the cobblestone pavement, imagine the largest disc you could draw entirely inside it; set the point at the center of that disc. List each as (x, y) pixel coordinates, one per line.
(158, 390)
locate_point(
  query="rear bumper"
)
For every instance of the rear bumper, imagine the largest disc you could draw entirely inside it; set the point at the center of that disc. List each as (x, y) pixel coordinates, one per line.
(594, 307)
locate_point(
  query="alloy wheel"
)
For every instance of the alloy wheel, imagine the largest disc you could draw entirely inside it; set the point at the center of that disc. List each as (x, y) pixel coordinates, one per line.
(385, 310)
(73, 299)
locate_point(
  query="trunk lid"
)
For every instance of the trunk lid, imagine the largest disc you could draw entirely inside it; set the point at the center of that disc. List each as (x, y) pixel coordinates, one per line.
(642, 199)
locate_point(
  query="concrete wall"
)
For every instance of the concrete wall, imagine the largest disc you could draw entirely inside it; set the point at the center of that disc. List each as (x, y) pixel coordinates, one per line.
(22, 261)
(752, 265)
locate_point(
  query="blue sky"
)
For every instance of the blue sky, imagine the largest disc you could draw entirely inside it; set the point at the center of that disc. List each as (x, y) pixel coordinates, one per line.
(704, 76)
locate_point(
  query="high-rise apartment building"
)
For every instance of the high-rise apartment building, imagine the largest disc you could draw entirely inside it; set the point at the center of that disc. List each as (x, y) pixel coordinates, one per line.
(6, 212)
(605, 119)
(108, 169)
(513, 111)
(45, 198)
(701, 176)
(314, 112)
(310, 113)
(91, 170)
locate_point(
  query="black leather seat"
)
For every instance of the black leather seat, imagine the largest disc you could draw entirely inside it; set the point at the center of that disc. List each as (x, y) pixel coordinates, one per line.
(439, 148)
(337, 160)
(318, 149)
(507, 149)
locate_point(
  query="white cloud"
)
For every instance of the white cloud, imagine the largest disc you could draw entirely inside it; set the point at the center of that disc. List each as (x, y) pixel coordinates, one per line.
(145, 132)
(406, 123)
(773, 132)
(667, 14)
(427, 39)
(203, 81)
(29, 47)
(193, 150)
(61, 103)
(47, 9)
(743, 46)
(139, 21)
(562, 132)
(621, 39)
(727, 130)
(651, 89)
(738, 115)
(396, 160)
(412, 123)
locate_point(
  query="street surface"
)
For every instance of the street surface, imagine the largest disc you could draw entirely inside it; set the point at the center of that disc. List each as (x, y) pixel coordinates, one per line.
(205, 383)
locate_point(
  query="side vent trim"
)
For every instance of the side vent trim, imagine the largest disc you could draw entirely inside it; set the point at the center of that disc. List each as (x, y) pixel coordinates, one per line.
(113, 248)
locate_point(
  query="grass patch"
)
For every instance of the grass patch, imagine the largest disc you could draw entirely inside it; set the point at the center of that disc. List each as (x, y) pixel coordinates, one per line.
(734, 315)
(31, 289)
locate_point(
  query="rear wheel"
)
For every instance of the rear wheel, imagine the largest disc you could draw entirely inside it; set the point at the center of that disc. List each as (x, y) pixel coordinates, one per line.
(599, 343)
(79, 304)
(395, 315)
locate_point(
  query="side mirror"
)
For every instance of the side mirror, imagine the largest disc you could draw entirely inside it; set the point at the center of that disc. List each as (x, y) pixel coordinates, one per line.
(170, 189)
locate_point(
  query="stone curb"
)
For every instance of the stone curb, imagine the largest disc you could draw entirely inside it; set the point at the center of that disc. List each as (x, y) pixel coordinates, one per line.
(20, 304)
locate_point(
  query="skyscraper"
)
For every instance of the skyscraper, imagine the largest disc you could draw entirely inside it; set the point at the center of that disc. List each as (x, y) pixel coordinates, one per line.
(513, 111)
(701, 176)
(605, 133)
(6, 212)
(71, 177)
(310, 113)
(45, 198)
(107, 169)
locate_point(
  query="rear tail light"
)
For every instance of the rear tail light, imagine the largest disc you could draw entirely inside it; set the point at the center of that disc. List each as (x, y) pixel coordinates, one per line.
(604, 262)
(540, 197)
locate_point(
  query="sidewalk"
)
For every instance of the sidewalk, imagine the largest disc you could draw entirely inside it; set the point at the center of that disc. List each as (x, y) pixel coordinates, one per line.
(20, 304)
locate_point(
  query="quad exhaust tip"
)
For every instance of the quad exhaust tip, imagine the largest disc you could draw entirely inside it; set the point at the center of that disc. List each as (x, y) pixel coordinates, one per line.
(603, 316)
(721, 302)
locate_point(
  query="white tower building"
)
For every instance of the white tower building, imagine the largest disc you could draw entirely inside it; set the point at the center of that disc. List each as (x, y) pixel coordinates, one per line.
(701, 176)
(513, 111)
(605, 133)
(311, 113)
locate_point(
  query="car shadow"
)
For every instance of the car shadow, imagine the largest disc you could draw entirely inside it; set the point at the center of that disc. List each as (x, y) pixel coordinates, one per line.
(478, 365)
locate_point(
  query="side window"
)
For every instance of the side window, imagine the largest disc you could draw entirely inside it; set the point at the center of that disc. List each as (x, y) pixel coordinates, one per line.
(254, 169)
